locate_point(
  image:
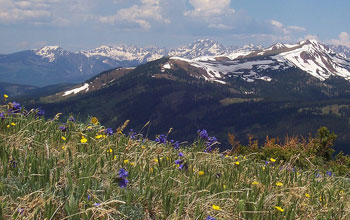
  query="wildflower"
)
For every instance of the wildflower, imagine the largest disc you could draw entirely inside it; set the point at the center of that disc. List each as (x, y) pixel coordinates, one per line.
(244, 158)
(13, 124)
(237, 163)
(226, 155)
(329, 173)
(63, 138)
(16, 106)
(307, 195)
(279, 183)
(62, 128)
(13, 163)
(96, 204)
(71, 118)
(132, 134)
(200, 173)
(224, 186)
(181, 154)
(143, 147)
(40, 112)
(178, 162)
(263, 168)
(20, 210)
(151, 170)
(123, 182)
(8, 126)
(210, 218)
(109, 131)
(176, 145)
(123, 173)
(89, 127)
(132, 164)
(272, 160)
(98, 136)
(110, 150)
(156, 160)
(161, 139)
(5, 96)
(236, 158)
(266, 162)
(89, 197)
(83, 140)
(2, 115)
(115, 157)
(279, 208)
(94, 120)
(126, 161)
(255, 183)
(203, 134)
(216, 207)
(63, 147)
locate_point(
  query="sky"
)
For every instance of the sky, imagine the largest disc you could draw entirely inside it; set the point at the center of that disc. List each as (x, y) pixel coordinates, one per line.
(86, 24)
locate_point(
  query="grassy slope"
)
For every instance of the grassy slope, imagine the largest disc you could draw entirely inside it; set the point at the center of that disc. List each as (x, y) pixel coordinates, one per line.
(43, 176)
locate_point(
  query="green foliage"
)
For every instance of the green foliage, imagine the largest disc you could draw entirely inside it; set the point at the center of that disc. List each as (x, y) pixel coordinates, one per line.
(43, 175)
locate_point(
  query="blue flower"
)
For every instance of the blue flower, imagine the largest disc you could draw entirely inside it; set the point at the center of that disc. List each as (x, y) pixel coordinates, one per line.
(40, 112)
(183, 166)
(96, 204)
(89, 197)
(2, 115)
(71, 118)
(161, 139)
(203, 134)
(109, 131)
(179, 161)
(63, 128)
(176, 145)
(329, 173)
(132, 134)
(123, 173)
(210, 218)
(123, 182)
(16, 106)
(181, 154)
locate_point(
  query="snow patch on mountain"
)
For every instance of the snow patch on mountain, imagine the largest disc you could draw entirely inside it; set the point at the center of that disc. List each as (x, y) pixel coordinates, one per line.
(85, 88)
(50, 52)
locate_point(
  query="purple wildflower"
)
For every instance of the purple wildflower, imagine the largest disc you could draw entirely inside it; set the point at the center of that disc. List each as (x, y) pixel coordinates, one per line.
(13, 163)
(109, 131)
(2, 115)
(181, 154)
(97, 204)
(63, 128)
(183, 166)
(203, 134)
(16, 106)
(161, 139)
(123, 182)
(40, 112)
(176, 145)
(20, 211)
(179, 161)
(329, 173)
(123, 173)
(89, 197)
(210, 218)
(71, 118)
(132, 134)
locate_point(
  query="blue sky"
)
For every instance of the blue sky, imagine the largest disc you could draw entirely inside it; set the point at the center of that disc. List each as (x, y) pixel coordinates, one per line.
(86, 24)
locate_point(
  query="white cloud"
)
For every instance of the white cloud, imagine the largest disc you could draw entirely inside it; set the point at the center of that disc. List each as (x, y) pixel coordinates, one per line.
(309, 37)
(209, 8)
(296, 28)
(220, 26)
(142, 14)
(343, 39)
(286, 30)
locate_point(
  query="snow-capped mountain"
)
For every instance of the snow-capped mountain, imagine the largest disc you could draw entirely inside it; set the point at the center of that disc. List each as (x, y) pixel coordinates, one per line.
(309, 56)
(343, 50)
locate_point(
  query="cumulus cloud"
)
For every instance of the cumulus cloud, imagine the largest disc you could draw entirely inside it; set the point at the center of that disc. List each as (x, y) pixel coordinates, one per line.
(208, 8)
(140, 14)
(286, 29)
(343, 39)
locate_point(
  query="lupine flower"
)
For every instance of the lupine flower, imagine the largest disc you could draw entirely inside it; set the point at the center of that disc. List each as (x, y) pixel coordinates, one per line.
(179, 162)
(71, 118)
(132, 134)
(123, 182)
(329, 173)
(181, 154)
(109, 131)
(16, 106)
(183, 166)
(210, 218)
(96, 204)
(40, 112)
(161, 139)
(203, 134)
(2, 115)
(89, 197)
(176, 145)
(62, 128)
(123, 173)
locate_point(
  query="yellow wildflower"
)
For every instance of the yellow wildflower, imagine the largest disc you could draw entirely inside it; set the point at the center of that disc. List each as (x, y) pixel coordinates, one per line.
(132, 164)
(279, 208)
(143, 147)
(237, 162)
(110, 150)
(83, 140)
(63, 147)
(216, 207)
(200, 173)
(307, 195)
(255, 183)
(236, 158)
(155, 160)
(98, 136)
(272, 160)
(341, 192)
(8, 126)
(279, 183)
(244, 157)
(126, 161)
(226, 155)
(151, 170)
(13, 124)
(63, 138)
(263, 168)
(6, 96)
(104, 136)
(115, 157)
(224, 186)
(94, 120)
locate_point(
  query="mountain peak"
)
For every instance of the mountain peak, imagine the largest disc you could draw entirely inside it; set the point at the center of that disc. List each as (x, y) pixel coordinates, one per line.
(49, 52)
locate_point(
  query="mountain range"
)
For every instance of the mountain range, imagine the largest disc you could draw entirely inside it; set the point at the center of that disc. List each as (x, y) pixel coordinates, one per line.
(281, 90)
(53, 65)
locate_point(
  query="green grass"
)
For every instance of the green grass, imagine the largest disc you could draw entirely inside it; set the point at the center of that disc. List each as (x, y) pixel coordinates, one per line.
(43, 176)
